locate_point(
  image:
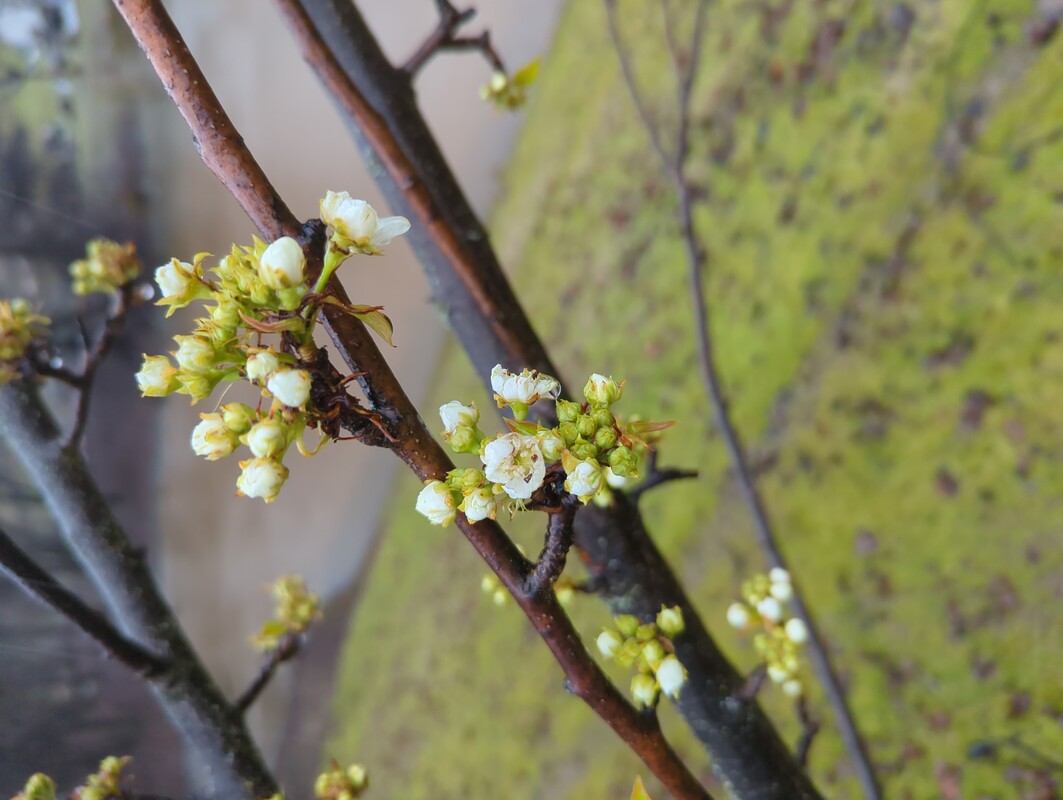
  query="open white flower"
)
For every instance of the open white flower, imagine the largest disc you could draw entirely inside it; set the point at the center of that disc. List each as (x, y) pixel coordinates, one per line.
(522, 390)
(436, 501)
(455, 413)
(290, 386)
(157, 377)
(267, 438)
(212, 439)
(671, 675)
(176, 279)
(261, 477)
(357, 221)
(516, 462)
(480, 504)
(585, 481)
(282, 265)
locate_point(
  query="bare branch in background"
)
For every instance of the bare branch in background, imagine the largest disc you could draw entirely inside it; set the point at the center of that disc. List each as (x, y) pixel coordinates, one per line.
(685, 66)
(445, 37)
(287, 649)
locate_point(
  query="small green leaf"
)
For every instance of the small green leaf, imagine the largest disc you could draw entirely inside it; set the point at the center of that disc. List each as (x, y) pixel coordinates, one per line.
(522, 427)
(638, 791)
(526, 75)
(378, 322)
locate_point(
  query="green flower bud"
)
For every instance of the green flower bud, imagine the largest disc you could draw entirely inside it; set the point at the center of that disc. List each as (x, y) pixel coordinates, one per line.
(568, 432)
(646, 632)
(603, 416)
(652, 653)
(603, 391)
(267, 438)
(629, 652)
(195, 354)
(627, 624)
(239, 417)
(551, 444)
(670, 621)
(586, 426)
(567, 411)
(644, 690)
(609, 642)
(464, 440)
(624, 462)
(584, 450)
(605, 438)
(465, 480)
(38, 787)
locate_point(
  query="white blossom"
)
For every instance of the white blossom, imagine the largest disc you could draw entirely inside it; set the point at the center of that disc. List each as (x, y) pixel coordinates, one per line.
(357, 221)
(644, 690)
(525, 388)
(267, 438)
(551, 444)
(212, 439)
(796, 631)
(455, 413)
(194, 353)
(601, 390)
(282, 265)
(436, 501)
(782, 592)
(778, 674)
(176, 279)
(290, 386)
(157, 377)
(779, 575)
(609, 642)
(770, 609)
(616, 481)
(261, 364)
(515, 462)
(793, 688)
(480, 504)
(738, 615)
(671, 675)
(585, 480)
(261, 477)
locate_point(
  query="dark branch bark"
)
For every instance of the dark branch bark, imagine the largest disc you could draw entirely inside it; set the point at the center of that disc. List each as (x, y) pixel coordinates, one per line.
(551, 561)
(120, 574)
(287, 649)
(39, 583)
(445, 37)
(697, 263)
(414, 444)
(628, 571)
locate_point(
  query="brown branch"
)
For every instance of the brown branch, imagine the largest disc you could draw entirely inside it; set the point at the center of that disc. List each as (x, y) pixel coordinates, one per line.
(39, 583)
(227, 156)
(287, 648)
(551, 561)
(697, 264)
(445, 37)
(627, 570)
(809, 729)
(658, 476)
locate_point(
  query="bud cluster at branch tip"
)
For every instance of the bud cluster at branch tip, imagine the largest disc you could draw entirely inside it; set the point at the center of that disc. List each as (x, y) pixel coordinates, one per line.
(295, 610)
(106, 268)
(509, 93)
(341, 784)
(251, 294)
(589, 453)
(764, 606)
(20, 326)
(647, 648)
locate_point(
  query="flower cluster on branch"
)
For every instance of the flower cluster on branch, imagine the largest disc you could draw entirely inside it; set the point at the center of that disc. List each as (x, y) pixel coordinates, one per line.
(647, 647)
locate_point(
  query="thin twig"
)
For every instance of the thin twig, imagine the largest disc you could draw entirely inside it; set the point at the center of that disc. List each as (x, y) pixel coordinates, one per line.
(551, 561)
(229, 158)
(657, 476)
(445, 37)
(287, 648)
(39, 583)
(697, 261)
(809, 729)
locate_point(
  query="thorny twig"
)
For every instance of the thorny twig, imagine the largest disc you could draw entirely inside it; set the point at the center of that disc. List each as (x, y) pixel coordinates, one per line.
(39, 583)
(445, 37)
(222, 149)
(686, 73)
(287, 648)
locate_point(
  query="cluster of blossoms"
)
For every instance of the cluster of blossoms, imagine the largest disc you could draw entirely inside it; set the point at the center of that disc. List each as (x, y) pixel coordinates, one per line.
(295, 610)
(101, 785)
(764, 607)
(510, 93)
(19, 327)
(256, 292)
(593, 449)
(647, 647)
(106, 268)
(341, 784)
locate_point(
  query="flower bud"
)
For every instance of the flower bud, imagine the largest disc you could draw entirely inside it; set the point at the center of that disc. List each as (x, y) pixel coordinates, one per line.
(465, 480)
(357, 222)
(195, 353)
(568, 432)
(738, 615)
(615, 481)
(176, 279)
(671, 675)
(627, 624)
(282, 265)
(551, 444)
(157, 377)
(454, 414)
(652, 653)
(770, 609)
(480, 504)
(605, 438)
(437, 502)
(584, 450)
(261, 364)
(603, 417)
(567, 411)
(261, 477)
(586, 426)
(782, 592)
(290, 386)
(646, 631)
(38, 787)
(796, 631)
(464, 440)
(793, 688)
(358, 777)
(212, 439)
(779, 575)
(644, 690)
(778, 674)
(670, 621)
(585, 480)
(267, 438)
(239, 417)
(624, 462)
(602, 391)
(609, 643)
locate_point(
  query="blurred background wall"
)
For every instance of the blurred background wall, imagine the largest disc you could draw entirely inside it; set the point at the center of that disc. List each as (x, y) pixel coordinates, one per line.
(91, 146)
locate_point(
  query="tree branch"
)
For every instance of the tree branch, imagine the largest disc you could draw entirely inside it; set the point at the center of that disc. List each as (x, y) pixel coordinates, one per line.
(288, 648)
(414, 443)
(39, 583)
(551, 561)
(697, 264)
(627, 570)
(118, 571)
(445, 37)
